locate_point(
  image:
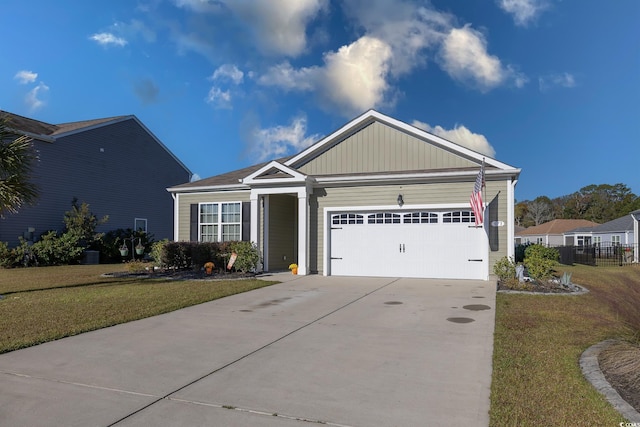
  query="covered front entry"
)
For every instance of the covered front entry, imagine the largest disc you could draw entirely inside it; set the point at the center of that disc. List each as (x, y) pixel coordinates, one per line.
(428, 244)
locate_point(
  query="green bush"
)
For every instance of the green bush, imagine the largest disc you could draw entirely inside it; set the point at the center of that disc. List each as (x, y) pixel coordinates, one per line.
(248, 256)
(505, 268)
(540, 261)
(158, 253)
(52, 249)
(5, 260)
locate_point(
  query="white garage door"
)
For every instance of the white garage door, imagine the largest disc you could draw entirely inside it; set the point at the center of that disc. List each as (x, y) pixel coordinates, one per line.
(433, 244)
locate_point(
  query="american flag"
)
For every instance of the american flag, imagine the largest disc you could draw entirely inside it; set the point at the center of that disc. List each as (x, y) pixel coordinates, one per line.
(476, 196)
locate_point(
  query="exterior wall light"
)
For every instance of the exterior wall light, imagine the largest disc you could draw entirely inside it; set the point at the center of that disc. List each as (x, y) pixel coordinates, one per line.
(400, 200)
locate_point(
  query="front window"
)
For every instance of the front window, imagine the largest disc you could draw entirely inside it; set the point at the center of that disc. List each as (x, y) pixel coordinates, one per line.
(615, 240)
(220, 222)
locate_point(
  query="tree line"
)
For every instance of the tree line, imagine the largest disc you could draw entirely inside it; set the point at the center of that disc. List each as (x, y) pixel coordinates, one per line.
(598, 203)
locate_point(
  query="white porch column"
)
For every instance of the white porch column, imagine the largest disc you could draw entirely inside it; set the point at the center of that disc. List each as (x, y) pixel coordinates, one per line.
(255, 215)
(303, 230)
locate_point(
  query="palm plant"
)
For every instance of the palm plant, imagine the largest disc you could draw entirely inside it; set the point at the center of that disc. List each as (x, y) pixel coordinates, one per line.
(16, 159)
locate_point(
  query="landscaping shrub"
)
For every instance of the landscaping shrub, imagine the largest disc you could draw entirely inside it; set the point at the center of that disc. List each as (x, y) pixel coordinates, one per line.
(540, 261)
(505, 268)
(248, 256)
(52, 249)
(185, 255)
(5, 262)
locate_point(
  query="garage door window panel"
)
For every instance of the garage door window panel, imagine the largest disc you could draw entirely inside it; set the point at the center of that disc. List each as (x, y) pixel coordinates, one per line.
(458, 217)
(384, 218)
(421, 218)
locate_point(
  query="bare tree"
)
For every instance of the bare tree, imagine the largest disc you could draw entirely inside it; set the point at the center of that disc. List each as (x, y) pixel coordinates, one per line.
(539, 211)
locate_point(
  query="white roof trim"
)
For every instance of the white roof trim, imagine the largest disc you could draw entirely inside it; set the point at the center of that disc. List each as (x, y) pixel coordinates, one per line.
(227, 187)
(453, 175)
(254, 178)
(371, 116)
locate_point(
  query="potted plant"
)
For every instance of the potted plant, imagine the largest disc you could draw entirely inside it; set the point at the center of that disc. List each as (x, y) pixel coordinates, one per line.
(208, 267)
(294, 268)
(139, 247)
(124, 250)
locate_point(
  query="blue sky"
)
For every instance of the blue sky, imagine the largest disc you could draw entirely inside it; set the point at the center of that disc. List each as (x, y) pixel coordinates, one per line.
(549, 86)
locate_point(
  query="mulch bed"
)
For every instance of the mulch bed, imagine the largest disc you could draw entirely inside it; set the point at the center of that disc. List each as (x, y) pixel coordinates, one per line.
(185, 275)
(550, 287)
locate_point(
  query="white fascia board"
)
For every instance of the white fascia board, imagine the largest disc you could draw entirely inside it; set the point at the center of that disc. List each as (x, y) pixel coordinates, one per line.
(373, 115)
(254, 177)
(422, 176)
(209, 188)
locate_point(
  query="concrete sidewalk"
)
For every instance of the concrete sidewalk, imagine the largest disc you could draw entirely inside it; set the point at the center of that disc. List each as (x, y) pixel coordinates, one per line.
(339, 350)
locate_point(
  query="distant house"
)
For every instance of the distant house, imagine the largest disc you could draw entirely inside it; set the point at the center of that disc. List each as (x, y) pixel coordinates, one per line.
(616, 232)
(552, 233)
(377, 197)
(114, 164)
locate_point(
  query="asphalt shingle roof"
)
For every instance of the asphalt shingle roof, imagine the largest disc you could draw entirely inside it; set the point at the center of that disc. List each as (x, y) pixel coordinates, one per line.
(557, 226)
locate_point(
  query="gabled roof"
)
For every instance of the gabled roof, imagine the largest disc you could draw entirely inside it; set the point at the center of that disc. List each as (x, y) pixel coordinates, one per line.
(557, 226)
(374, 116)
(291, 168)
(40, 130)
(49, 132)
(624, 223)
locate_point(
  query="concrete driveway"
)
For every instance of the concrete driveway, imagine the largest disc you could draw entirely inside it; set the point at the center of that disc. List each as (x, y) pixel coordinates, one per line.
(343, 351)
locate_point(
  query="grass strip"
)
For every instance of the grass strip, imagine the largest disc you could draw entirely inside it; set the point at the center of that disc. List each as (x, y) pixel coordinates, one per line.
(62, 307)
(537, 346)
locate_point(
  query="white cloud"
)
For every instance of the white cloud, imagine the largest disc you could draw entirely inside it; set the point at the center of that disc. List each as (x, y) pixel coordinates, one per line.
(523, 11)
(219, 98)
(461, 136)
(34, 99)
(279, 25)
(278, 141)
(407, 29)
(565, 80)
(228, 72)
(25, 76)
(352, 80)
(106, 39)
(464, 56)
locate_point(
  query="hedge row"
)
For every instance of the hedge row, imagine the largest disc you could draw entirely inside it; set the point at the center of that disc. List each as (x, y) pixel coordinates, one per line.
(193, 255)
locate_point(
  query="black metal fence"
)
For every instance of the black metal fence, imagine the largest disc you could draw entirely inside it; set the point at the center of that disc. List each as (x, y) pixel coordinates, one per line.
(598, 255)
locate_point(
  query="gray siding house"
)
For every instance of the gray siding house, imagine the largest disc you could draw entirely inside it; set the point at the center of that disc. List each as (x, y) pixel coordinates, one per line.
(377, 197)
(115, 164)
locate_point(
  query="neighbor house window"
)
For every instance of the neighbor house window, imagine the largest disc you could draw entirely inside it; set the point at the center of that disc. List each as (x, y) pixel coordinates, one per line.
(220, 222)
(140, 224)
(597, 240)
(615, 240)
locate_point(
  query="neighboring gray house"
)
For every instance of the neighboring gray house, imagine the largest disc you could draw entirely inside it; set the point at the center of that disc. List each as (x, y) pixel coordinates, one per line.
(377, 197)
(115, 164)
(621, 231)
(552, 233)
(616, 232)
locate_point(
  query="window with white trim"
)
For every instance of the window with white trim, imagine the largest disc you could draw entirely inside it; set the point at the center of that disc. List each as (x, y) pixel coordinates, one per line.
(615, 240)
(220, 222)
(458, 216)
(597, 240)
(140, 224)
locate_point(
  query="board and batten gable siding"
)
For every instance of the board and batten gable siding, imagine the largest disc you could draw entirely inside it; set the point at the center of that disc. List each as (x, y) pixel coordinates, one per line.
(185, 200)
(435, 194)
(119, 169)
(382, 148)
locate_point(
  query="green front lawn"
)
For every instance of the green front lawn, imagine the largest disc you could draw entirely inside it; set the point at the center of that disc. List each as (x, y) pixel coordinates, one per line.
(48, 303)
(537, 380)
